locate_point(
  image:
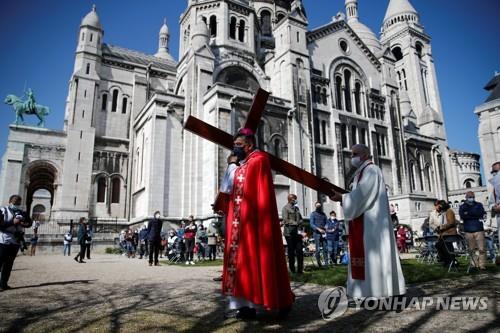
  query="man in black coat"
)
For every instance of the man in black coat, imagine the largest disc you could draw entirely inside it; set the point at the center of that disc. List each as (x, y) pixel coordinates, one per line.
(154, 238)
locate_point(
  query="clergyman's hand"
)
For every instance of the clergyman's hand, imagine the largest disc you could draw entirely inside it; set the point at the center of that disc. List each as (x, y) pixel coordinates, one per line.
(335, 196)
(232, 159)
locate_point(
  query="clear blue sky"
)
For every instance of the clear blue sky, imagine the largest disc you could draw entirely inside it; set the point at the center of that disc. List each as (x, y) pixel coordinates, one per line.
(38, 40)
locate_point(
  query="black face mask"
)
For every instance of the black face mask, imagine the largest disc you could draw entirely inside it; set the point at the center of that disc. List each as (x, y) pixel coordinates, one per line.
(239, 152)
(319, 209)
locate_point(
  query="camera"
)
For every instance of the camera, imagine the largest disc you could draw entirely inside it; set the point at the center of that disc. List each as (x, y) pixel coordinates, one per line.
(25, 223)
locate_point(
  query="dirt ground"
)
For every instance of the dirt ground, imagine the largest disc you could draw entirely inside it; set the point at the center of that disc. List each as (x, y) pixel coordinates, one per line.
(111, 293)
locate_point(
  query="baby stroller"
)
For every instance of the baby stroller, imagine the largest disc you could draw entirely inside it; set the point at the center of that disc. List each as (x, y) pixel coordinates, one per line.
(174, 251)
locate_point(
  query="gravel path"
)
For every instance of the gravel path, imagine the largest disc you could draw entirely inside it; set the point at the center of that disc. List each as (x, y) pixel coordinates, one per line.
(111, 293)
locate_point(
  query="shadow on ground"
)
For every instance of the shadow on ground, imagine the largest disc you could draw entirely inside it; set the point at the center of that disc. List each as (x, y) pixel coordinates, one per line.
(91, 305)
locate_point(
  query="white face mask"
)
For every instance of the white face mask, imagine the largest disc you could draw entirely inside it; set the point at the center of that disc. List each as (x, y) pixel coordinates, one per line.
(157, 216)
(495, 177)
(470, 200)
(356, 161)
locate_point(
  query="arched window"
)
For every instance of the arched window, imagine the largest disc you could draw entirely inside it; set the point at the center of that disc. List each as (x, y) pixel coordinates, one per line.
(404, 79)
(428, 176)
(277, 148)
(424, 84)
(114, 102)
(338, 92)
(419, 48)
(265, 23)
(280, 16)
(213, 26)
(115, 190)
(412, 175)
(469, 183)
(343, 134)
(354, 135)
(104, 105)
(318, 94)
(241, 31)
(87, 70)
(323, 97)
(362, 136)
(357, 97)
(419, 170)
(101, 189)
(83, 36)
(124, 105)
(317, 134)
(397, 53)
(323, 131)
(347, 90)
(232, 28)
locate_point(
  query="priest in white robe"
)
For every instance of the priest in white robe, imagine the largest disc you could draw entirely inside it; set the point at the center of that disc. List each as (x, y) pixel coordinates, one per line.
(374, 266)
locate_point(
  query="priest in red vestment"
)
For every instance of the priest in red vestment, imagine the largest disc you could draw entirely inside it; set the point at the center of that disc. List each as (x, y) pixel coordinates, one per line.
(255, 273)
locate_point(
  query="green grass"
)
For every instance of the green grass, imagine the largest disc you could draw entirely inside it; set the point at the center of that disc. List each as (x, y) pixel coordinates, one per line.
(112, 250)
(413, 271)
(205, 263)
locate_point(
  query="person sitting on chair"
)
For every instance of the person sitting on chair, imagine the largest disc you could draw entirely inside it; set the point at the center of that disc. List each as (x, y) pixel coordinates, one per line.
(447, 227)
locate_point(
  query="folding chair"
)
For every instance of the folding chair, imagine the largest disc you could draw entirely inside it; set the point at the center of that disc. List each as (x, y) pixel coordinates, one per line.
(428, 251)
(460, 249)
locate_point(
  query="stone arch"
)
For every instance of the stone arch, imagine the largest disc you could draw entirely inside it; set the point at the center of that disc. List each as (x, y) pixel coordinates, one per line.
(239, 74)
(469, 183)
(40, 174)
(278, 146)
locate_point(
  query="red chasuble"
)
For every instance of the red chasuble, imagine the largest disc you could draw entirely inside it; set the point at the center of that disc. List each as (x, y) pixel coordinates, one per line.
(356, 243)
(254, 257)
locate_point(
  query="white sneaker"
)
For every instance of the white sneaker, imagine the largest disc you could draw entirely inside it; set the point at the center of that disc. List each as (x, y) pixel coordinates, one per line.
(187, 262)
(191, 262)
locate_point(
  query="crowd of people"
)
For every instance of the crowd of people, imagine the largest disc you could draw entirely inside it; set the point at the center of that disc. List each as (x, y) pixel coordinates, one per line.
(443, 223)
(190, 241)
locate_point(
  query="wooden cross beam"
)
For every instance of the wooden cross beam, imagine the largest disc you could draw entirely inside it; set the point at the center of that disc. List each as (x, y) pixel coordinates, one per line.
(216, 135)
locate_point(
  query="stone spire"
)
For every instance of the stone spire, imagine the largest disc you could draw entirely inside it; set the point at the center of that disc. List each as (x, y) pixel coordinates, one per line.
(92, 20)
(351, 8)
(163, 38)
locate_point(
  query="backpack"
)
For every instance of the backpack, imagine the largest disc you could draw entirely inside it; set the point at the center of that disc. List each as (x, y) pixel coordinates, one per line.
(345, 259)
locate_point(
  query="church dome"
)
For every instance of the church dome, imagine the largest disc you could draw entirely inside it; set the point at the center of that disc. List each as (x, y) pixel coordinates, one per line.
(367, 36)
(398, 7)
(399, 11)
(365, 33)
(91, 19)
(164, 28)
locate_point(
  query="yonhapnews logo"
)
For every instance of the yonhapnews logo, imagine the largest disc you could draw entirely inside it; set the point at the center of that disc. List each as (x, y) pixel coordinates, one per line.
(332, 303)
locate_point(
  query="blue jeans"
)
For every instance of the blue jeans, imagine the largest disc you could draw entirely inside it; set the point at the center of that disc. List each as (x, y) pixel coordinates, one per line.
(333, 246)
(68, 248)
(320, 241)
(490, 248)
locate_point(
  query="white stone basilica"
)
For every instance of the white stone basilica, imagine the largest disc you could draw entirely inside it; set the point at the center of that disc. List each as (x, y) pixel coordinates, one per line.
(123, 152)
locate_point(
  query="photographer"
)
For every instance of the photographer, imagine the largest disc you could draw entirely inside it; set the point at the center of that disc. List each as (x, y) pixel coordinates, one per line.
(12, 222)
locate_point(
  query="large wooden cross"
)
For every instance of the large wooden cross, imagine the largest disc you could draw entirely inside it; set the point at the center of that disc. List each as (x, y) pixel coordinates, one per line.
(216, 135)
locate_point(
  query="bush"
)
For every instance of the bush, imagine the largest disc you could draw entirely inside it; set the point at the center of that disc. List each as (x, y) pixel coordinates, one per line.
(113, 250)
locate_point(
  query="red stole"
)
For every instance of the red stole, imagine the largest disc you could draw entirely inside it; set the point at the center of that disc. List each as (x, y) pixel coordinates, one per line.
(356, 243)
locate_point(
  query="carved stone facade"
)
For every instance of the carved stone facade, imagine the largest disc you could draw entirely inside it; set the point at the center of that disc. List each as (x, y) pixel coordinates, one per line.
(124, 154)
